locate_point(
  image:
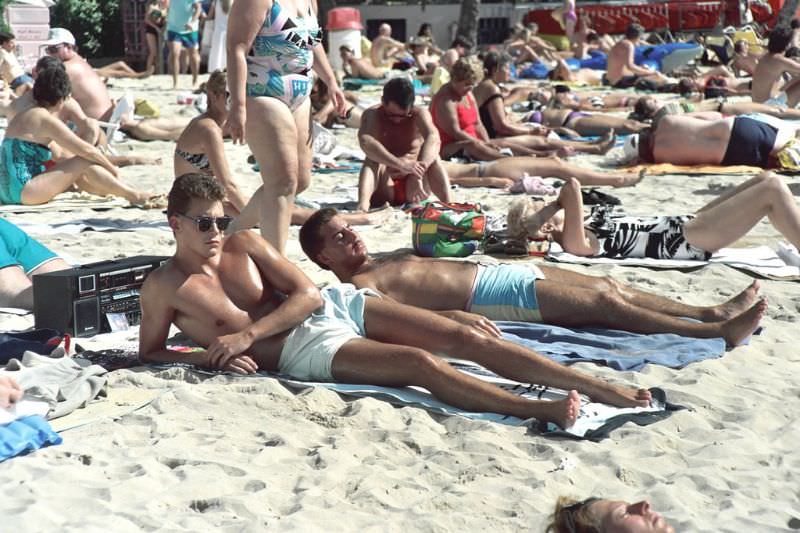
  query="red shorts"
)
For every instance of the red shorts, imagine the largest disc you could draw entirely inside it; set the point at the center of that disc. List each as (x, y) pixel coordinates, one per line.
(399, 190)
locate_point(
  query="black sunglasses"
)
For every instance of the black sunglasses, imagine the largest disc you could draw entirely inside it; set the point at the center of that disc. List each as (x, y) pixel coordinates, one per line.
(204, 223)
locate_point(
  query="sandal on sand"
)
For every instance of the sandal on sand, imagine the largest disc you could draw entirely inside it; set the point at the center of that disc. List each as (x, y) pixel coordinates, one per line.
(157, 201)
(534, 185)
(596, 197)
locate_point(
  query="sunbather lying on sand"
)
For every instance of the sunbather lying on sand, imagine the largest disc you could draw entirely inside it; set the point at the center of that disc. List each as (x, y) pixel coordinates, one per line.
(92, 94)
(709, 139)
(599, 515)
(253, 309)
(27, 175)
(648, 107)
(716, 225)
(463, 290)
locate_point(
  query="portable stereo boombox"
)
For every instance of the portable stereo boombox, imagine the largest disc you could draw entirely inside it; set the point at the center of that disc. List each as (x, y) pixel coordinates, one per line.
(94, 298)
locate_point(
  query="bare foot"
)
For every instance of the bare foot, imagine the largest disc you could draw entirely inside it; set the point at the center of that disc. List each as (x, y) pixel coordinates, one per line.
(630, 180)
(563, 413)
(622, 396)
(736, 305)
(737, 329)
(606, 142)
(150, 201)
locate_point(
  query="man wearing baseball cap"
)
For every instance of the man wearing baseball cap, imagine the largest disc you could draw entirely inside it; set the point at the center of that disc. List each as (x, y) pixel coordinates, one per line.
(92, 94)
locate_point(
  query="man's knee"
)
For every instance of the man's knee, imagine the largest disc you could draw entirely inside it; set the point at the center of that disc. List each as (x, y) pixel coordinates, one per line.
(774, 184)
(608, 302)
(421, 364)
(607, 284)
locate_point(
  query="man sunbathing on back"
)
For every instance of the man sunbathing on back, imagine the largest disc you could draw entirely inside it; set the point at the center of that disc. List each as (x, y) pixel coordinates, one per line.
(253, 309)
(468, 292)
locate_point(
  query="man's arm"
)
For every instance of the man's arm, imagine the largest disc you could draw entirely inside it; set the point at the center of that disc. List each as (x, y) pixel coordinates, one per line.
(431, 143)
(87, 128)
(633, 67)
(302, 299)
(789, 65)
(372, 147)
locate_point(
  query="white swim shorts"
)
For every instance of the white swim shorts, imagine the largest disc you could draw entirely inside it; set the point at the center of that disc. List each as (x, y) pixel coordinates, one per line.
(309, 349)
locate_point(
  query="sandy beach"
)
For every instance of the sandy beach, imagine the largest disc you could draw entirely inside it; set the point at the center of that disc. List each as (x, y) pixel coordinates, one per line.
(248, 454)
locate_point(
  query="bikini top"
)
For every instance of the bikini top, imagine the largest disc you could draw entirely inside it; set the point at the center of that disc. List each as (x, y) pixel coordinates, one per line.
(198, 161)
(536, 117)
(285, 43)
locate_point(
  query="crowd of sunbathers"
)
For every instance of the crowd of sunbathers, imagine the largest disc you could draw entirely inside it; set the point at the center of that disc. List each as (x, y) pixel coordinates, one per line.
(235, 293)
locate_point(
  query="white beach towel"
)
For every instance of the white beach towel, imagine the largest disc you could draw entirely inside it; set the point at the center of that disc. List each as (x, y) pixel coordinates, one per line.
(69, 201)
(760, 260)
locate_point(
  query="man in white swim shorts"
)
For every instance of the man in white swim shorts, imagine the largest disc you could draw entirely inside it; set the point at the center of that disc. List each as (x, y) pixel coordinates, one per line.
(252, 309)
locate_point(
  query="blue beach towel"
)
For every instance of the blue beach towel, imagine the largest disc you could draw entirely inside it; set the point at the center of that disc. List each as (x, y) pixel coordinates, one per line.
(25, 435)
(619, 350)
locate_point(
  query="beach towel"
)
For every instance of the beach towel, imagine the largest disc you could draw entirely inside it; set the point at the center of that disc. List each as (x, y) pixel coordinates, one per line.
(668, 168)
(620, 350)
(595, 423)
(759, 260)
(25, 435)
(74, 227)
(70, 201)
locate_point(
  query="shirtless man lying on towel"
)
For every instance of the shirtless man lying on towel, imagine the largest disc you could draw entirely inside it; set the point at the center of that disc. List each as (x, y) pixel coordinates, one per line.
(709, 139)
(467, 292)
(253, 309)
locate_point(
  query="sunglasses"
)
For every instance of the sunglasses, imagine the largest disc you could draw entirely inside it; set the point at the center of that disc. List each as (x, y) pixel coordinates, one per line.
(398, 115)
(52, 49)
(204, 223)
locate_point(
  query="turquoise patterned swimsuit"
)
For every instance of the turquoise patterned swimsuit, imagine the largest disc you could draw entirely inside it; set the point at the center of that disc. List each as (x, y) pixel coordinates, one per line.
(280, 60)
(20, 160)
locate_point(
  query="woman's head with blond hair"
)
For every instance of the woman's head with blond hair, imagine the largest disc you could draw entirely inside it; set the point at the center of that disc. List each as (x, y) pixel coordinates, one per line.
(467, 69)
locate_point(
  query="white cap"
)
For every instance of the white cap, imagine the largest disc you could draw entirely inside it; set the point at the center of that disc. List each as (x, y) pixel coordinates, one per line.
(60, 36)
(631, 147)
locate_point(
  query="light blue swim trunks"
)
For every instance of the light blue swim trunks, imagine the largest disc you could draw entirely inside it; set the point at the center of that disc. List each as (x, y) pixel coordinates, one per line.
(506, 292)
(309, 349)
(18, 249)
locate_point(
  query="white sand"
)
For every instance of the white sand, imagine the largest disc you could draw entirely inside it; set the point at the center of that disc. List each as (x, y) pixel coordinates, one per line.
(247, 454)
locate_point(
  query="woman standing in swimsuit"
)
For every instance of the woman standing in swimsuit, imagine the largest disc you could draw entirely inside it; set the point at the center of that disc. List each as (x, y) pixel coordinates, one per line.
(272, 48)
(154, 20)
(716, 225)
